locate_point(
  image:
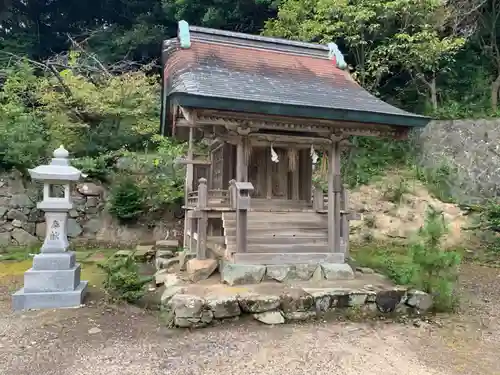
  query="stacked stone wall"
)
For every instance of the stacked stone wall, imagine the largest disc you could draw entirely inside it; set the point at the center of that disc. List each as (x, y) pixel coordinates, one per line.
(23, 224)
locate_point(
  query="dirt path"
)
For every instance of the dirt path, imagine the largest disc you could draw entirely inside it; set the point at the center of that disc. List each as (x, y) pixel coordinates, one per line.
(101, 339)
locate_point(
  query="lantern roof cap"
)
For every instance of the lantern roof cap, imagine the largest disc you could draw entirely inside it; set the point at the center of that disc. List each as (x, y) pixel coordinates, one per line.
(59, 168)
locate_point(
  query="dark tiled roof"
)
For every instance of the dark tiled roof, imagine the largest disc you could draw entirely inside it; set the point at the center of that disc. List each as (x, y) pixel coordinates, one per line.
(274, 75)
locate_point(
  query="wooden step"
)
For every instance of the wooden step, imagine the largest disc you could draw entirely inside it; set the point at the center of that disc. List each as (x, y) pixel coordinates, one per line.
(278, 226)
(271, 231)
(288, 248)
(275, 215)
(280, 240)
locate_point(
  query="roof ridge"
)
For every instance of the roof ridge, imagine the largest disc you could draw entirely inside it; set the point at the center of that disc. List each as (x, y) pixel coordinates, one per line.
(187, 34)
(200, 32)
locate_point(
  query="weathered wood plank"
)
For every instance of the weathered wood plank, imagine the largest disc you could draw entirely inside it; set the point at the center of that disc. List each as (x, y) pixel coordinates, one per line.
(283, 240)
(288, 258)
(289, 248)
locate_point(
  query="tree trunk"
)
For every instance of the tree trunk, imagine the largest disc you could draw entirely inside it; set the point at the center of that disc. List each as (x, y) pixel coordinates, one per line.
(433, 91)
(495, 86)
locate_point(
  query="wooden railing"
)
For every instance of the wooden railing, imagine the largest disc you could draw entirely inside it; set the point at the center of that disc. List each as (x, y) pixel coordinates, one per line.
(215, 198)
(192, 198)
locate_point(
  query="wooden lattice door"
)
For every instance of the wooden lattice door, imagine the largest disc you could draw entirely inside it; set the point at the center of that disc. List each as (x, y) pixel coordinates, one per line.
(217, 167)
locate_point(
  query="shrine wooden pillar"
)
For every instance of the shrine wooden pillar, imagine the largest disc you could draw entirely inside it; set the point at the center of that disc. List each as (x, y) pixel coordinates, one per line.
(188, 187)
(334, 197)
(242, 152)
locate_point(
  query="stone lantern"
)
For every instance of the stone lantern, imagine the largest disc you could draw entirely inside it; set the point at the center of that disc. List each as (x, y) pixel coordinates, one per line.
(54, 279)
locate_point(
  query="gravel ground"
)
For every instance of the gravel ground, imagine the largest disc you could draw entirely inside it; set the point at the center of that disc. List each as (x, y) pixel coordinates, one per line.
(108, 340)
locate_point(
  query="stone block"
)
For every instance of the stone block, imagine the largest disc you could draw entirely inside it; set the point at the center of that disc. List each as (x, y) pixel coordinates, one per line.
(270, 317)
(238, 274)
(161, 263)
(167, 245)
(169, 292)
(299, 315)
(168, 279)
(165, 254)
(304, 271)
(337, 271)
(36, 281)
(419, 300)
(93, 225)
(318, 274)
(5, 239)
(184, 257)
(357, 299)
(278, 272)
(296, 300)
(258, 303)
(13, 214)
(22, 300)
(74, 229)
(23, 238)
(90, 189)
(198, 269)
(388, 300)
(224, 306)
(186, 306)
(54, 261)
(143, 252)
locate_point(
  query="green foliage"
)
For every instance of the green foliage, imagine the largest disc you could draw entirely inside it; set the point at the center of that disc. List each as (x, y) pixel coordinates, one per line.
(438, 180)
(437, 268)
(373, 31)
(123, 280)
(395, 193)
(370, 221)
(126, 200)
(98, 167)
(488, 226)
(23, 135)
(156, 173)
(92, 116)
(424, 265)
(371, 157)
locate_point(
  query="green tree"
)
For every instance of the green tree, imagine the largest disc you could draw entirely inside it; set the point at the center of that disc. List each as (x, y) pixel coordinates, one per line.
(379, 36)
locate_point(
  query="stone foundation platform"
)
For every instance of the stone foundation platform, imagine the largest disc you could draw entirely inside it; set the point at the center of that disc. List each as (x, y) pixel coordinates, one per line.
(24, 300)
(238, 274)
(199, 305)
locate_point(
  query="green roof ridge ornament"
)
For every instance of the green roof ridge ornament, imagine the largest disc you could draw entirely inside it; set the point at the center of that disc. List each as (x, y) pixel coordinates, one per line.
(335, 54)
(183, 34)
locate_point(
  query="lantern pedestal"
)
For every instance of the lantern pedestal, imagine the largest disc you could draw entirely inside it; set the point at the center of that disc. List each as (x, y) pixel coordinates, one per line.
(54, 279)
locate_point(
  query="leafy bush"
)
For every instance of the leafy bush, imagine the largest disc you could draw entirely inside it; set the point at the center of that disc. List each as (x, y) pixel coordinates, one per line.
(126, 199)
(122, 279)
(157, 173)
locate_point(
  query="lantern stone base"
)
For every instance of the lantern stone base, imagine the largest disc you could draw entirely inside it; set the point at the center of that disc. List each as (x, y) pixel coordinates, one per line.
(36, 281)
(22, 300)
(54, 261)
(53, 282)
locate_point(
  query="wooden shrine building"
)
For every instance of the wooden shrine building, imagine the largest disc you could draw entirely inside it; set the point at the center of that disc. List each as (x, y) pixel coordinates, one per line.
(266, 106)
